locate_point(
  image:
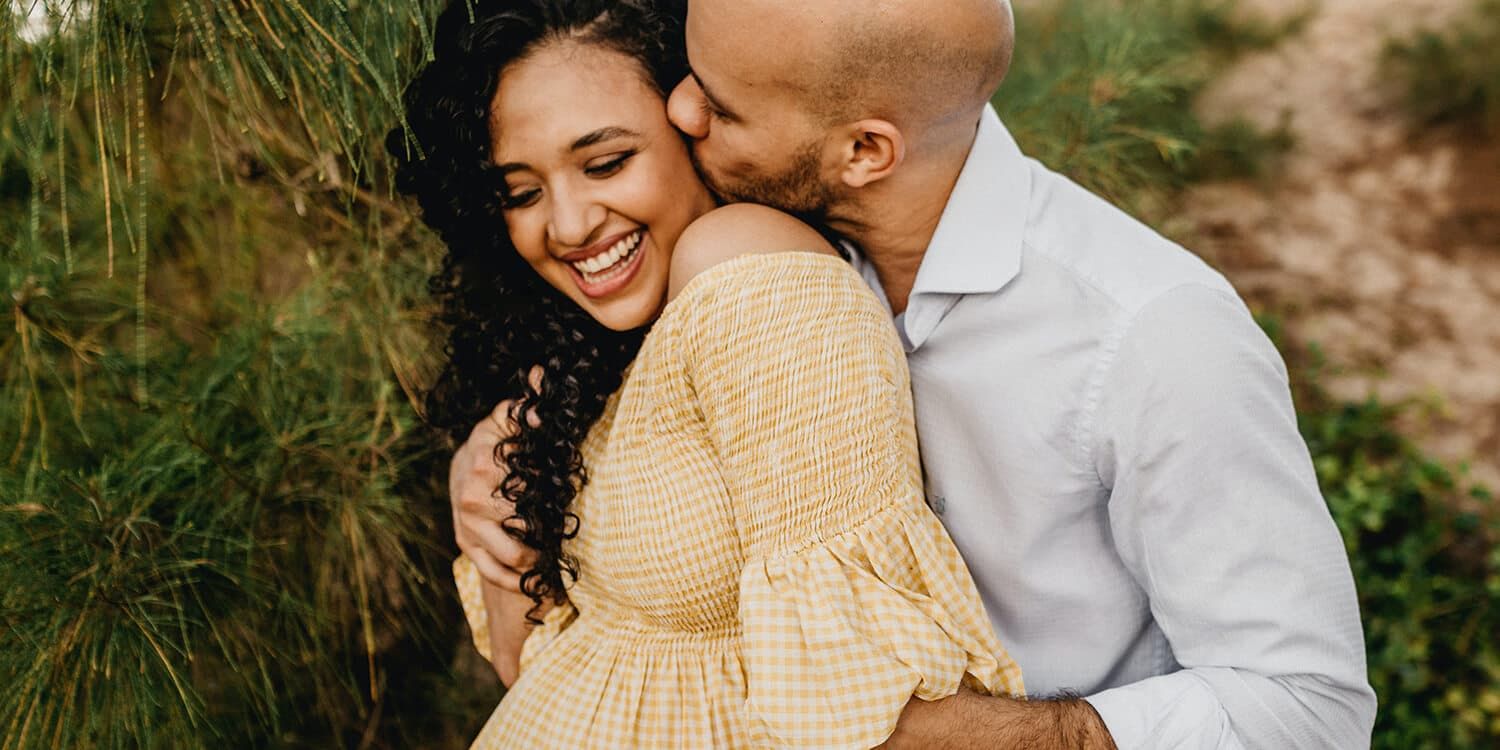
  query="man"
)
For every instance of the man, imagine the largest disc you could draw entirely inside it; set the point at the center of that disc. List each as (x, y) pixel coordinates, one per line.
(1107, 435)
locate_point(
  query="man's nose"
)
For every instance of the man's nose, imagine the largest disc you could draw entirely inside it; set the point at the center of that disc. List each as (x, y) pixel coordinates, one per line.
(685, 109)
(574, 218)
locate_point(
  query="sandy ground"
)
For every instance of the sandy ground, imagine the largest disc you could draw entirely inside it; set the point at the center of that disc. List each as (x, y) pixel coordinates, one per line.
(1380, 241)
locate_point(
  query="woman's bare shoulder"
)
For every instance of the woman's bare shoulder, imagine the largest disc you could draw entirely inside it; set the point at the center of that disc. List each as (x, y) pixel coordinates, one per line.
(734, 230)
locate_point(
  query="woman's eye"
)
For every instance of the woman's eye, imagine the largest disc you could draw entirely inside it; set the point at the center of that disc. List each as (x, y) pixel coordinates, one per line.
(608, 168)
(518, 199)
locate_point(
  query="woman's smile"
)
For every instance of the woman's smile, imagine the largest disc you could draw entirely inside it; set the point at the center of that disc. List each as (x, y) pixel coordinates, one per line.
(609, 265)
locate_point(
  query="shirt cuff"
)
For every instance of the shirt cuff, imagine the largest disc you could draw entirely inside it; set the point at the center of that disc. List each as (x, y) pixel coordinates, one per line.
(1177, 710)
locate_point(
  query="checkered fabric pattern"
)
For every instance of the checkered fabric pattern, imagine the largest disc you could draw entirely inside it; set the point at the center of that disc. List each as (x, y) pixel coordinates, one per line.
(757, 565)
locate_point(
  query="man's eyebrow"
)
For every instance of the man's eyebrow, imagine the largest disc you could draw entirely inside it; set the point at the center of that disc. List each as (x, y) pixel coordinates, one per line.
(601, 135)
(713, 101)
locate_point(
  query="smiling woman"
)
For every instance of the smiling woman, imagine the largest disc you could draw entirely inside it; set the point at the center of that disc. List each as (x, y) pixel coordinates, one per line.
(748, 479)
(509, 312)
(597, 184)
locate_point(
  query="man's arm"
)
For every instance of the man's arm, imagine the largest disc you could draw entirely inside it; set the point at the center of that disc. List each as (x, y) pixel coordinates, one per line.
(970, 721)
(1215, 510)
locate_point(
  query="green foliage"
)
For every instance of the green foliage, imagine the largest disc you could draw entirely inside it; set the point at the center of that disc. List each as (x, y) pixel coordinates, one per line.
(1426, 561)
(220, 519)
(1453, 74)
(1103, 92)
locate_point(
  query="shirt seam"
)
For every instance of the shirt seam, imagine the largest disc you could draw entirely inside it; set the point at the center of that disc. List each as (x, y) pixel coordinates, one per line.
(1086, 433)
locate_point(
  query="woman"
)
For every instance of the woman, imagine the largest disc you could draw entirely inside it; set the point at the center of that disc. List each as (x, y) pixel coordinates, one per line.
(719, 470)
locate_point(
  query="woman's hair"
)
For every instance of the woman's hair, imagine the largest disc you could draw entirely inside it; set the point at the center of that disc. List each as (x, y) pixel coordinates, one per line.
(503, 319)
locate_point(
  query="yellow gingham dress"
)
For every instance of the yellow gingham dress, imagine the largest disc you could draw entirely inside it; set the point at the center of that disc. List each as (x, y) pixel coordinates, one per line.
(757, 565)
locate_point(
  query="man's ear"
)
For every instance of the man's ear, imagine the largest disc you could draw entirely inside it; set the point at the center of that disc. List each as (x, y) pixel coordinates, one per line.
(872, 150)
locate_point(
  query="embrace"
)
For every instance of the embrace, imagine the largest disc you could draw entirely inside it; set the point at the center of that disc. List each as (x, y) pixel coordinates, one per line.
(715, 270)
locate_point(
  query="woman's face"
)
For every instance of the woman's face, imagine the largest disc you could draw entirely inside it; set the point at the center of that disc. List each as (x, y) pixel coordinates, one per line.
(598, 184)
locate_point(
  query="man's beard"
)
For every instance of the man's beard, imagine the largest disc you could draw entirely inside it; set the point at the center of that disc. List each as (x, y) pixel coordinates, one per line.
(797, 190)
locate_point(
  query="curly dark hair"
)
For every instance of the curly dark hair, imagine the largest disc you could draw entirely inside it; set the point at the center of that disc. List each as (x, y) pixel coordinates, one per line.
(503, 320)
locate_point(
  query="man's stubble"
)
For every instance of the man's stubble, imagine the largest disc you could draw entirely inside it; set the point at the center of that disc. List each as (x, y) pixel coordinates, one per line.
(798, 189)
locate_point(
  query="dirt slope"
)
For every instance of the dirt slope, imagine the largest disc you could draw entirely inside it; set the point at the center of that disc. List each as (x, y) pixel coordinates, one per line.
(1381, 241)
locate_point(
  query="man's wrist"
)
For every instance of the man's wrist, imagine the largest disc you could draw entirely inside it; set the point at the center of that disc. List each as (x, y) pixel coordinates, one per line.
(1067, 721)
(971, 720)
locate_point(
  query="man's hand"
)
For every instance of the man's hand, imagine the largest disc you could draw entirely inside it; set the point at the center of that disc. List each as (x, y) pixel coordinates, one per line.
(970, 720)
(478, 514)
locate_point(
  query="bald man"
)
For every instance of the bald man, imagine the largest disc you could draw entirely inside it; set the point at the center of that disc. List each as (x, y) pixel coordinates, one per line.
(1106, 433)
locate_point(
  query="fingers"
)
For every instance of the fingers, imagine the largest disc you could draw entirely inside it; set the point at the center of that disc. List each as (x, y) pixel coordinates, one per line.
(499, 424)
(501, 546)
(493, 572)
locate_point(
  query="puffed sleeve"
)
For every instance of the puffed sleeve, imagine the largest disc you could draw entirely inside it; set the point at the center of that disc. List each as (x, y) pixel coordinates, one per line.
(471, 595)
(854, 598)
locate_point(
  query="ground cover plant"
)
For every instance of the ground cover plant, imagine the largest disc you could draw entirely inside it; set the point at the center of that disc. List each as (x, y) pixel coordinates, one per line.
(1422, 542)
(220, 518)
(1102, 91)
(1452, 73)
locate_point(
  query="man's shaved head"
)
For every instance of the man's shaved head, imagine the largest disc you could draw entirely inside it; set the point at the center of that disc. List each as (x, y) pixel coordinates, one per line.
(912, 62)
(814, 106)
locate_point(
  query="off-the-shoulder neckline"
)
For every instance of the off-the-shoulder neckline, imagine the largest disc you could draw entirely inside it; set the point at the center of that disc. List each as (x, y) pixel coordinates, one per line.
(726, 268)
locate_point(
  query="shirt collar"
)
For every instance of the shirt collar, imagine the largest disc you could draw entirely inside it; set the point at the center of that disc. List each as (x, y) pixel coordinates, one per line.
(977, 246)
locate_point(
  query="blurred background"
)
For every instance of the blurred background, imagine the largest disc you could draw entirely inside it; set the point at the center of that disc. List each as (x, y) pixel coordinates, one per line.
(222, 521)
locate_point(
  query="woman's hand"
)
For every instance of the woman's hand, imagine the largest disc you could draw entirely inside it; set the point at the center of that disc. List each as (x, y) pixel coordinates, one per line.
(479, 516)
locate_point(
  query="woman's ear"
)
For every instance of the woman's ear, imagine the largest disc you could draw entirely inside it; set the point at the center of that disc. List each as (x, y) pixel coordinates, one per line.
(872, 150)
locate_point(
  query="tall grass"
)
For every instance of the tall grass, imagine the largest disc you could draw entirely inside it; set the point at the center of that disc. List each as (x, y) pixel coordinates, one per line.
(221, 516)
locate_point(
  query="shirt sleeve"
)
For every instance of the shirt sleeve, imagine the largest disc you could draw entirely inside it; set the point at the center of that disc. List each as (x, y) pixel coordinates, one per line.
(1216, 512)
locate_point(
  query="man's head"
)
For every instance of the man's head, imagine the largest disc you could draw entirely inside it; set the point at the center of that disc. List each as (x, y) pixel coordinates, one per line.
(801, 105)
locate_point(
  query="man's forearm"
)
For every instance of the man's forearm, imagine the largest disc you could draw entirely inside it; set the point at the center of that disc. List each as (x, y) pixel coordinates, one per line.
(969, 720)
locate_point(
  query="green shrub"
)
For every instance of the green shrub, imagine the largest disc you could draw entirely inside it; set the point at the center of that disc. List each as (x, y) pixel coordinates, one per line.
(1103, 92)
(1424, 551)
(1452, 74)
(220, 519)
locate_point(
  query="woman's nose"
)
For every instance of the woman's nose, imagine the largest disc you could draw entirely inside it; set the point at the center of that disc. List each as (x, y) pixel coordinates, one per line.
(685, 109)
(574, 219)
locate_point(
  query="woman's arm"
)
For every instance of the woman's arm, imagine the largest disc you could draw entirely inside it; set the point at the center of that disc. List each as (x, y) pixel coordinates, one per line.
(493, 561)
(508, 624)
(852, 599)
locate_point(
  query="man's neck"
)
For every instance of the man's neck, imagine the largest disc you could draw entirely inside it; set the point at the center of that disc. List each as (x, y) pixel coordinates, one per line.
(893, 221)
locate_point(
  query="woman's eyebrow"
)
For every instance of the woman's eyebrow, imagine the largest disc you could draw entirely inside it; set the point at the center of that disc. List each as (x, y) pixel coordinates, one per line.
(601, 135)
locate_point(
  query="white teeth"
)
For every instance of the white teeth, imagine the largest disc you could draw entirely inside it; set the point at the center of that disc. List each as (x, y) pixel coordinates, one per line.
(606, 260)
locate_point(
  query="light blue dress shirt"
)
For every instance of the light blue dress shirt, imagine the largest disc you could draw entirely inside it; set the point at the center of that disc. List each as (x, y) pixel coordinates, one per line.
(1110, 440)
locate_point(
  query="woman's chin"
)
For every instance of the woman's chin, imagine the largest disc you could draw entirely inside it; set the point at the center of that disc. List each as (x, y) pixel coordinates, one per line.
(626, 314)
